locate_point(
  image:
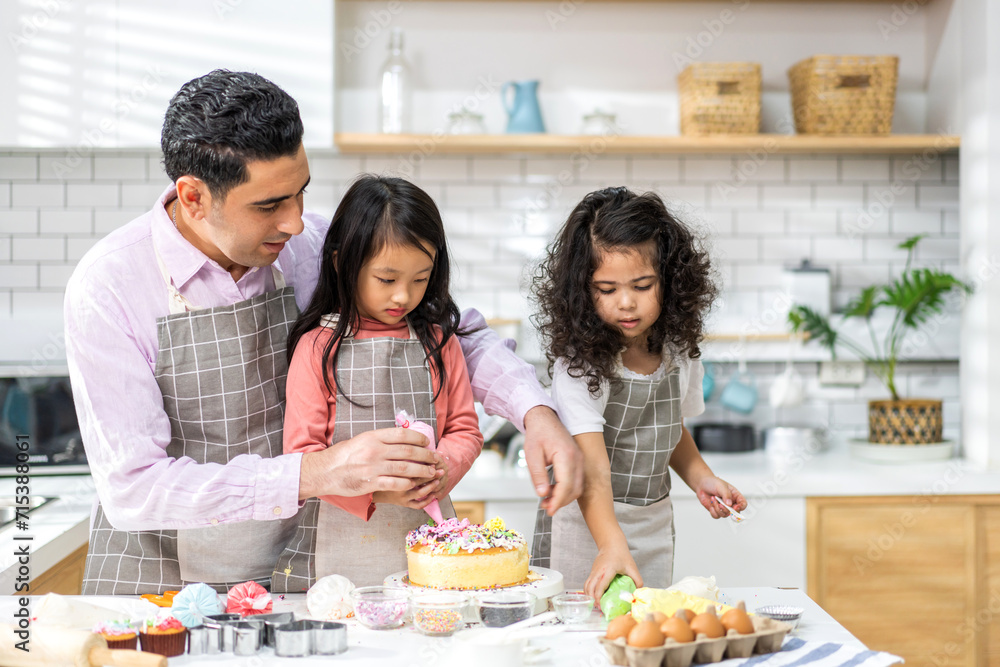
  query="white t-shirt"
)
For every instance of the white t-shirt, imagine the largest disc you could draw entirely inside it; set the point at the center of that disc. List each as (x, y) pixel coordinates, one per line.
(582, 412)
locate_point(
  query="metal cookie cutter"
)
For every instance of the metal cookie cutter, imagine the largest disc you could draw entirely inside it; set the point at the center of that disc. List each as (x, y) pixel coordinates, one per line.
(248, 636)
(205, 639)
(302, 638)
(224, 625)
(271, 621)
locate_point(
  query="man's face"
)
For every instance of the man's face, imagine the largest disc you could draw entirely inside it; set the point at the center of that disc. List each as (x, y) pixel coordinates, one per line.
(252, 224)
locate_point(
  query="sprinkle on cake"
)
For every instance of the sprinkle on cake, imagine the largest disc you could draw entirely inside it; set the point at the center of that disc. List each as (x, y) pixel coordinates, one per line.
(454, 535)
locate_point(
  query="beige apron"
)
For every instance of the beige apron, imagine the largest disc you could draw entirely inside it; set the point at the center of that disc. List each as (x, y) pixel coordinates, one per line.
(381, 376)
(642, 426)
(222, 401)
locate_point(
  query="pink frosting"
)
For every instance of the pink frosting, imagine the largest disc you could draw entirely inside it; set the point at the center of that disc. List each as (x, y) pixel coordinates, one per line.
(248, 598)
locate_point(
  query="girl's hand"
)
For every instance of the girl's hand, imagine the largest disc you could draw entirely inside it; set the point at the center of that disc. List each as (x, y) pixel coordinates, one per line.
(609, 562)
(416, 497)
(713, 486)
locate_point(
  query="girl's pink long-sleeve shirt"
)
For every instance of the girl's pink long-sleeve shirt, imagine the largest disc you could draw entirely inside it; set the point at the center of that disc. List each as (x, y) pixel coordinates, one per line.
(311, 410)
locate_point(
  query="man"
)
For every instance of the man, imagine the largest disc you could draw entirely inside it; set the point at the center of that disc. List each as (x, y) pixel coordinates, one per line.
(176, 326)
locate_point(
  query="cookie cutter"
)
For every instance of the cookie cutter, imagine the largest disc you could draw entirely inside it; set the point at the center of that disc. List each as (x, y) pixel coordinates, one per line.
(301, 638)
(205, 640)
(224, 623)
(248, 636)
(271, 621)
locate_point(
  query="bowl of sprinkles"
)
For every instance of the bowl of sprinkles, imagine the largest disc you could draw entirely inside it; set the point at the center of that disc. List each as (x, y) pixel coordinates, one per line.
(439, 613)
(380, 607)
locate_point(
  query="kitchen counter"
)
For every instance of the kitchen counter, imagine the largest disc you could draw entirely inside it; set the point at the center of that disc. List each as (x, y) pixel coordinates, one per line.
(572, 648)
(61, 526)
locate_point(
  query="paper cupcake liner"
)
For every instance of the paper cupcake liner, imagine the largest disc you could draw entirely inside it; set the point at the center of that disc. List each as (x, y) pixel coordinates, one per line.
(169, 644)
(119, 642)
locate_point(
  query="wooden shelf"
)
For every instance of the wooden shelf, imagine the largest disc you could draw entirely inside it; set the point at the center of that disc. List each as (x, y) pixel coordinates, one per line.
(428, 144)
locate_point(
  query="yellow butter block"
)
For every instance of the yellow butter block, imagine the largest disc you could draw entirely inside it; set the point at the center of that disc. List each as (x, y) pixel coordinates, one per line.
(647, 600)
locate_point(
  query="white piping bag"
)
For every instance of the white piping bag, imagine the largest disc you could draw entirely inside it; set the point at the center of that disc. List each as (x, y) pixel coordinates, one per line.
(403, 420)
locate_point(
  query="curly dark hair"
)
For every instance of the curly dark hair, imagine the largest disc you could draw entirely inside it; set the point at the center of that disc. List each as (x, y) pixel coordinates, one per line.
(219, 122)
(616, 219)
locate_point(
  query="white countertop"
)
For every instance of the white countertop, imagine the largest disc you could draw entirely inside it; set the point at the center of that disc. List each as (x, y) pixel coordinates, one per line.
(62, 526)
(577, 646)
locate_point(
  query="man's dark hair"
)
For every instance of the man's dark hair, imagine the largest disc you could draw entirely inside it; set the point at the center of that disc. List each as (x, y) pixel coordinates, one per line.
(219, 122)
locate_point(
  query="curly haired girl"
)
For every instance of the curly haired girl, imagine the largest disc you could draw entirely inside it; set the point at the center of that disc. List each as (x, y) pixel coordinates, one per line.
(623, 293)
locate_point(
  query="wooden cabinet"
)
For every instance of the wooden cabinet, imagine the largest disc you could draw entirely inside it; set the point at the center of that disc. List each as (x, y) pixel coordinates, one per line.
(65, 577)
(918, 576)
(473, 510)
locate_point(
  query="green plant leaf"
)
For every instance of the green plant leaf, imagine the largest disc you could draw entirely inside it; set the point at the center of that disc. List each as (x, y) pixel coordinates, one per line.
(805, 319)
(910, 243)
(864, 304)
(919, 294)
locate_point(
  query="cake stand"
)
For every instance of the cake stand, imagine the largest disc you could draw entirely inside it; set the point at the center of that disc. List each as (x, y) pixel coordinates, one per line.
(548, 584)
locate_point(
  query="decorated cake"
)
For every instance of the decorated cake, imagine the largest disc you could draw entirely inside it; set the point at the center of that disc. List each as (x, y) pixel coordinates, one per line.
(458, 554)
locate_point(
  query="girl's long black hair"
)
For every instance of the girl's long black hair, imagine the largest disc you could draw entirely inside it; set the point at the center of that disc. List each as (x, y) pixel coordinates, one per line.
(616, 219)
(378, 211)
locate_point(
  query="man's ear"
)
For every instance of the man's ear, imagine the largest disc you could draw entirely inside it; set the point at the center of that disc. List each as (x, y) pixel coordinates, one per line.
(194, 198)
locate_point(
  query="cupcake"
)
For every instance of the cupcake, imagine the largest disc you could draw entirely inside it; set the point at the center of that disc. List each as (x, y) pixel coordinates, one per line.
(118, 634)
(165, 635)
(194, 603)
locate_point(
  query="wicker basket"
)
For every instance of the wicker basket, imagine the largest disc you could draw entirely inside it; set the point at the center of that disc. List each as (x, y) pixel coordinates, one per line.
(720, 98)
(907, 422)
(844, 94)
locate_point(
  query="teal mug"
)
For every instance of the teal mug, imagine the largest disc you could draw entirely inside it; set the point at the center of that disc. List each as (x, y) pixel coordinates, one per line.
(740, 393)
(708, 382)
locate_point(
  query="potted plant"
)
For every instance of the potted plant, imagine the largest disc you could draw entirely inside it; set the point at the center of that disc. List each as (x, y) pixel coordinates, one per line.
(913, 298)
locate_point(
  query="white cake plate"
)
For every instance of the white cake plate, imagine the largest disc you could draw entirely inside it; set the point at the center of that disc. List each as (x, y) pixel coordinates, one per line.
(548, 584)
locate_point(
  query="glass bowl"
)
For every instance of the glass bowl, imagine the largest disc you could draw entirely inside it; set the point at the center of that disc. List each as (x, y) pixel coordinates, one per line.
(380, 607)
(438, 614)
(573, 607)
(500, 609)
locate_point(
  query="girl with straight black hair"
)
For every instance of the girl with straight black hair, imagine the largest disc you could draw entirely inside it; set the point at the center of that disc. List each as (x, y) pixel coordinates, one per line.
(378, 337)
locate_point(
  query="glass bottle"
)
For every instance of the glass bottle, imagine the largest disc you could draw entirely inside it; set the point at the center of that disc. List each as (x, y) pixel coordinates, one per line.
(395, 108)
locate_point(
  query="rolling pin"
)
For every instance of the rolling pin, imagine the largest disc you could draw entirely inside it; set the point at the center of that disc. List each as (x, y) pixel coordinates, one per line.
(56, 646)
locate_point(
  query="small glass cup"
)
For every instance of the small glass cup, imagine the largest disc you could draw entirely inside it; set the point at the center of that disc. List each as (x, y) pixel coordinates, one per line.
(500, 609)
(573, 607)
(439, 613)
(380, 607)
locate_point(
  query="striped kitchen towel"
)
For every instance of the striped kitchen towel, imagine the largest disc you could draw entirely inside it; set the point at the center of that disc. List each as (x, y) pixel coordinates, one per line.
(795, 652)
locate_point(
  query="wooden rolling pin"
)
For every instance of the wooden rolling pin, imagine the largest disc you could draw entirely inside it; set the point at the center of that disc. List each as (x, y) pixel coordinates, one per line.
(57, 646)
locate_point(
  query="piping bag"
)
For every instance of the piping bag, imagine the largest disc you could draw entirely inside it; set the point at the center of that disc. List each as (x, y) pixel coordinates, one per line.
(403, 420)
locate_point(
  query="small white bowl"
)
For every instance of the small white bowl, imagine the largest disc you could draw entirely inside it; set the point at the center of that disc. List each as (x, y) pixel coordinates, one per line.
(780, 612)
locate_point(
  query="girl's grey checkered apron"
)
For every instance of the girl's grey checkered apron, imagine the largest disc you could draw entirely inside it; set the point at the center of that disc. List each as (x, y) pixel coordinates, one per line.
(222, 375)
(643, 425)
(381, 376)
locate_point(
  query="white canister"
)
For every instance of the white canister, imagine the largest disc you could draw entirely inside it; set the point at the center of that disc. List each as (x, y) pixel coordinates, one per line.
(808, 285)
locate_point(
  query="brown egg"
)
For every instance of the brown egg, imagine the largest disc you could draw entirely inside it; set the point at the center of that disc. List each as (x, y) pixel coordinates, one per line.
(677, 628)
(708, 624)
(659, 617)
(688, 614)
(620, 626)
(738, 620)
(646, 634)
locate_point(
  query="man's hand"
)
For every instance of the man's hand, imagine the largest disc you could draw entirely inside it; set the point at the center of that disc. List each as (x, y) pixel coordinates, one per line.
(390, 459)
(547, 442)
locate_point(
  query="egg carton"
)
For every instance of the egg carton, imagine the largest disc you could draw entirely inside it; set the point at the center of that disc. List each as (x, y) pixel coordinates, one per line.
(767, 637)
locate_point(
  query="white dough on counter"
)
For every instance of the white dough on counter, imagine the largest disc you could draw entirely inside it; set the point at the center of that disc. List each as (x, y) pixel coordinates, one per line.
(55, 609)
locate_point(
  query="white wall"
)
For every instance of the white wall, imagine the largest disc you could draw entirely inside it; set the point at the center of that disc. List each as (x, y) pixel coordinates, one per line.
(100, 73)
(620, 56)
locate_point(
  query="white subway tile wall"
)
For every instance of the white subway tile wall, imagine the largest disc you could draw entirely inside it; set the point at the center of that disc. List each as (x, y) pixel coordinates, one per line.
(758, 213)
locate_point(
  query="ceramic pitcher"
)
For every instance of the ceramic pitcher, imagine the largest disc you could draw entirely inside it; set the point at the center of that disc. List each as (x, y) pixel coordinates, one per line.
(524, 114)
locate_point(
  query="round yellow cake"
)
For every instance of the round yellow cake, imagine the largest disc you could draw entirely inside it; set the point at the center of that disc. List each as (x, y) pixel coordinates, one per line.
(463, 555)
